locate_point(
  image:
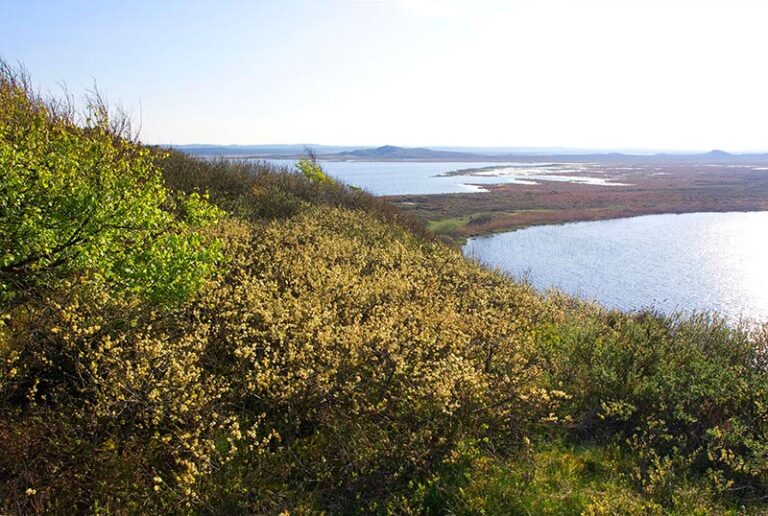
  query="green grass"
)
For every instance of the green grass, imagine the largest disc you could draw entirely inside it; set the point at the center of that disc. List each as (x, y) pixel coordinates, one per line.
(453, 229)
(564, 479)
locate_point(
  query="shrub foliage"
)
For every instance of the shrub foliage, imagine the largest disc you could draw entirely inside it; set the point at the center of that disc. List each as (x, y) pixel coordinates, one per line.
(188, 336)
(84, 198)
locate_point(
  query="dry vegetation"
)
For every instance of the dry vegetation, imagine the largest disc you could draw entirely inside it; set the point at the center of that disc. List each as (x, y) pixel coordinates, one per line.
(325, 354)
(655, 187)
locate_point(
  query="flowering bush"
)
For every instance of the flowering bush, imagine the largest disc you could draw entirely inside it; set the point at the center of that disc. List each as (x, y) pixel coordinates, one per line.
(302, 346)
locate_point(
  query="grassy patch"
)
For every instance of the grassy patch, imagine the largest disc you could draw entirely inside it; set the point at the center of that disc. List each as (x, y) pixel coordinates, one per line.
(456, 229)
(563, 479)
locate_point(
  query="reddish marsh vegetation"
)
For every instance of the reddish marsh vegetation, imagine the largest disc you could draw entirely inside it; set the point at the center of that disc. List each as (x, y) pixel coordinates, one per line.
(654, 187)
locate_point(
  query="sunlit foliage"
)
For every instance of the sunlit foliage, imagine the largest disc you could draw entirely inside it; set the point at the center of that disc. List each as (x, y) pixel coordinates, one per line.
(76, 198)
(305, 347)
(311, 169)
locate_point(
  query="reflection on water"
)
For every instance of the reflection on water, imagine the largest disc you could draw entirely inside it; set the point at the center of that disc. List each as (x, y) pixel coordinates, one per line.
(692, 262)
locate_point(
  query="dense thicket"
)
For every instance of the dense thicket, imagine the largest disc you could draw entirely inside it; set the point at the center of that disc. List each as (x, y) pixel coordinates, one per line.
(228, 337)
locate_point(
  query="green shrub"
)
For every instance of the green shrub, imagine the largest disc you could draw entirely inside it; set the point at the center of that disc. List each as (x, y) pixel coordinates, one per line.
(689, 395)
(311, 169)
(78, 199)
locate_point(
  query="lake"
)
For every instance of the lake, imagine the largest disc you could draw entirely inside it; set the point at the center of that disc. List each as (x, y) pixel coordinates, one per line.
(421, 178)
(691, 262)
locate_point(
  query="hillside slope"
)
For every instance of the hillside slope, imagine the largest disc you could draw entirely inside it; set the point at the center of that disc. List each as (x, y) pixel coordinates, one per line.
(291, 344)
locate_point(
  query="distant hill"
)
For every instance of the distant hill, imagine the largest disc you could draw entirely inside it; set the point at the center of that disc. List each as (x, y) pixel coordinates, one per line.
(260, 150)
(404, 153)
(718, 154)
(395, 153)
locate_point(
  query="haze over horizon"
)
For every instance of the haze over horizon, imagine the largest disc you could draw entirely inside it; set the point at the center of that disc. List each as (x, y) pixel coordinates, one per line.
(598, 74)
(274, 148)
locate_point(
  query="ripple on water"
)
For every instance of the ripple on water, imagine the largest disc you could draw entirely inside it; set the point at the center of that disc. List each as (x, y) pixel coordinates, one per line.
(690, 262)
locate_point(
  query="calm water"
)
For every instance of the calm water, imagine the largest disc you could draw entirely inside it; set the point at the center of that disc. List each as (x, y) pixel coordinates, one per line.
(420, 178)
(692, 262)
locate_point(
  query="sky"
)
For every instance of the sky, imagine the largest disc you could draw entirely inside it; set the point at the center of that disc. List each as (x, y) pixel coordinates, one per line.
(601, 74)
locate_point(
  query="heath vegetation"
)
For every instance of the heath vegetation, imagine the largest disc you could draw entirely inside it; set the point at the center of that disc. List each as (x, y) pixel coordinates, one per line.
(189, 336)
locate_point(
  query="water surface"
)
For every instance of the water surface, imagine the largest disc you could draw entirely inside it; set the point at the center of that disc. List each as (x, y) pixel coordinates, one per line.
(421, 178)
(691, 262)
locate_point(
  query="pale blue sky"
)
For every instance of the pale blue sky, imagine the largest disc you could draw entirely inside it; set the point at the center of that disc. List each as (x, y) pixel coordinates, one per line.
(668, 74)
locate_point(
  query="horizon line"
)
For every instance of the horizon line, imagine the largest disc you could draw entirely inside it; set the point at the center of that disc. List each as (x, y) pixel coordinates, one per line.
(500, 148)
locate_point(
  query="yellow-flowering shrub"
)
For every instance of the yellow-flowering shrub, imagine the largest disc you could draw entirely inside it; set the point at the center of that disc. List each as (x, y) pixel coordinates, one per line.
(108, 396)
(371, 350)
(336, 353)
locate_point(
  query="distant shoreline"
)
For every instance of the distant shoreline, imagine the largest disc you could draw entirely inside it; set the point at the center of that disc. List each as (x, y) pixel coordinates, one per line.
(654, 189)
(390, 153)
(542, 159)
(603, 217)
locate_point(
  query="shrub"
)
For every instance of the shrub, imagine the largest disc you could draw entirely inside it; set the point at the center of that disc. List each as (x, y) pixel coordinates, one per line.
(99, 383)
(311, 169)
(84, 198)
(106, 405)
(687, 394)
(258, 191)
(369, 353)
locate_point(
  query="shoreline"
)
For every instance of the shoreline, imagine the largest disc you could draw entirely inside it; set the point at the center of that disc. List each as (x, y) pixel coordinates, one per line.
(751, 312)
(600, 219)
(676, 189)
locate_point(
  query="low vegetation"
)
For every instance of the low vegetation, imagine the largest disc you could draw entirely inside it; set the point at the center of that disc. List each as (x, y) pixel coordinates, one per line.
(188, 336)
(653, 187)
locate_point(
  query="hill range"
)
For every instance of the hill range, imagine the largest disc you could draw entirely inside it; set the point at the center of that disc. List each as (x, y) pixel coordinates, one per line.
(395, 153)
